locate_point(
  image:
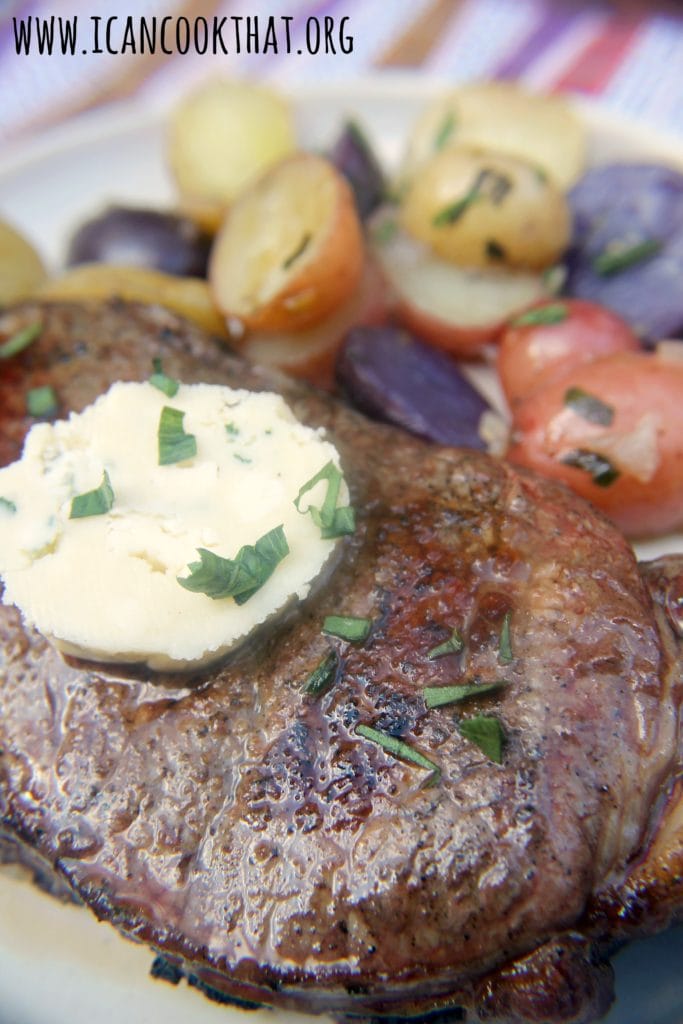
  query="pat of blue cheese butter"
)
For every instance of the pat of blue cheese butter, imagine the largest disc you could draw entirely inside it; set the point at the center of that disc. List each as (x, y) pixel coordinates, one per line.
(105, 586)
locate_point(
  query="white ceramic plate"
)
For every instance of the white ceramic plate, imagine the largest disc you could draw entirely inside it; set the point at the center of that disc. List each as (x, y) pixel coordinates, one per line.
(57, 965)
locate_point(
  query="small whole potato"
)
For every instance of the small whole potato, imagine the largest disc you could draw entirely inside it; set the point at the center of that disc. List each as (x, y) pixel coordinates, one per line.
(221, 138)
(501, 117)
(484, 210)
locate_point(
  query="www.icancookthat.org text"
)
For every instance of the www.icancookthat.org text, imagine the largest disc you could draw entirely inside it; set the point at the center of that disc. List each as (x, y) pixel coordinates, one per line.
(132, 35)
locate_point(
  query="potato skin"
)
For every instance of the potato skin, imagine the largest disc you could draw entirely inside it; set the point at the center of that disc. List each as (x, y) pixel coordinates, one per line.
(487, 210)
(532, 354)
(643, 443)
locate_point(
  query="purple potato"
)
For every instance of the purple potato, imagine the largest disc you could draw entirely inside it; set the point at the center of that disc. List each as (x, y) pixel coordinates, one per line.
(142, 238)
(636, 210)
(354, 158)
(391, 376)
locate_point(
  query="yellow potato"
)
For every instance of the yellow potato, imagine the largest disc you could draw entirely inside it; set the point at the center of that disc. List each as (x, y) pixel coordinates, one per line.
(221, 138)
(505, 118)
(486, 210)
(96, 282)
(21, 268)
(290, 250)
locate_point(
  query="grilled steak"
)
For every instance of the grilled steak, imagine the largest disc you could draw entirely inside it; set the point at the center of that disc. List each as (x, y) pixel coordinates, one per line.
(267, 849)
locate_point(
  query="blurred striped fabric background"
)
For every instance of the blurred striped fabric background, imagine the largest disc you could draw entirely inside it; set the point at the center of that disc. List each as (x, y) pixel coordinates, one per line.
(628, 57)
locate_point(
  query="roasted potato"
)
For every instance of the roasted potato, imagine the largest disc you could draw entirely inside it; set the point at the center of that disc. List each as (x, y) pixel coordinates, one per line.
(612, 430)
(291, 248)
(143, 237)
(486, 210)
(21, 268)
(221, 138)
(627, 248)
(504, 118)
(455, 308)
(553, 337)
(96, 282)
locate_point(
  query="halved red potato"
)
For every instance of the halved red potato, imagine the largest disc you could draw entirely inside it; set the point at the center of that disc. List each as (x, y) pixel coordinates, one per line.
(222, 137)
(311, 354)
(505, 118)
(486, 210)
(455, 308)
(290, 250)
(612, 430)
(555, 336)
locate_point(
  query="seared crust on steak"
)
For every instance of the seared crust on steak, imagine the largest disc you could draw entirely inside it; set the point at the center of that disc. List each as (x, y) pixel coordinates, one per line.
(254, 838)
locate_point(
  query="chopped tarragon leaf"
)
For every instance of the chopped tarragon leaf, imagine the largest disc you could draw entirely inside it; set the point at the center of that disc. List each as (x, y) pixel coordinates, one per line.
(445, 131)
(41, 403)
(488, 184)
(452, 213)
(495, 251)
(601, 470)
(19, 341)
(95, 502)
(331, 521)
(436, 696)
(492, 184)
(385, 230)
(487, 733)
(554, 313)
(588, 406)
(242, 458)
(453, 645)
(347, 627)
(505, 655)
(232, 429)
(617, 257)
(400, 750)
(322, 676)
(239, 577)
(159, 380)
(7, 505)
(343, 523)
(299, 251)
(174, 444)
(553, 278)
